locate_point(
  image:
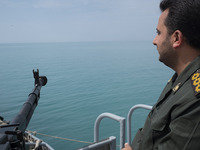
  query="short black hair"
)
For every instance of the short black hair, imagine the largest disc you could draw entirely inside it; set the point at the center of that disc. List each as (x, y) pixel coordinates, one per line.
(184, 15)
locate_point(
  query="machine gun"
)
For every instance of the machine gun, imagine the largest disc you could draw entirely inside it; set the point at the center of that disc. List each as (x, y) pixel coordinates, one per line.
(11, 135)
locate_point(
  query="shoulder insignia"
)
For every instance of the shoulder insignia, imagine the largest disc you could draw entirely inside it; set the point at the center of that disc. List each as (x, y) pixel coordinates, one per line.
(195, 80)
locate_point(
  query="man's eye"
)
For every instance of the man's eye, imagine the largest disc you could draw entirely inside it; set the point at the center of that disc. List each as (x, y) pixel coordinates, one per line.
(158, 32)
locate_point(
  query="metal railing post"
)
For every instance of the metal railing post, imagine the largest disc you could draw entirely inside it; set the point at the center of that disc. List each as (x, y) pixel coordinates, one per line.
(114, 117)
(129, 119)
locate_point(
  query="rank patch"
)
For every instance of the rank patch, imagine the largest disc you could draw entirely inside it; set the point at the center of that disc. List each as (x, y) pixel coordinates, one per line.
(195, 80)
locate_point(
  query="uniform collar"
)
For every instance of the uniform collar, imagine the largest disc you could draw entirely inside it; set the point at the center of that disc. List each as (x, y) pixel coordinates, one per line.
(186, 74)
(175, 83)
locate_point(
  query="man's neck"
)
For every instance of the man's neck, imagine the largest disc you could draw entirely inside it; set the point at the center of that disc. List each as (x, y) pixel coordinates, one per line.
(185, 59)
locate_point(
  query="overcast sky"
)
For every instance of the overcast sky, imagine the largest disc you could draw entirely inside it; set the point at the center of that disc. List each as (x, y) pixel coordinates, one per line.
(77, 20)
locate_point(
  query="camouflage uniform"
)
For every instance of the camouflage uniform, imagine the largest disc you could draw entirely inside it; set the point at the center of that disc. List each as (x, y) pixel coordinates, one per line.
(174, 122)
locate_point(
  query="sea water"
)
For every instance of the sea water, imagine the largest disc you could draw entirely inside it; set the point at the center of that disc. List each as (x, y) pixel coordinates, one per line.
(85, 79)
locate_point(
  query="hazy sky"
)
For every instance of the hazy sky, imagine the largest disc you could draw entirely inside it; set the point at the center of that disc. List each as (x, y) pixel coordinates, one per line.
(77, 20)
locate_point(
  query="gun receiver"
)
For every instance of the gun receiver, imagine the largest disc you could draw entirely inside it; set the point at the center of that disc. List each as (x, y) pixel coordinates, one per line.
(11, 135)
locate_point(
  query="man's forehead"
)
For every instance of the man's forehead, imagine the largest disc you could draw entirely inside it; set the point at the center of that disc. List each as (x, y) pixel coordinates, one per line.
(162, 18)
(164, 15)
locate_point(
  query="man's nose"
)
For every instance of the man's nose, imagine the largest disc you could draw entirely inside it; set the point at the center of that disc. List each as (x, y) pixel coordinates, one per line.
(155, 41)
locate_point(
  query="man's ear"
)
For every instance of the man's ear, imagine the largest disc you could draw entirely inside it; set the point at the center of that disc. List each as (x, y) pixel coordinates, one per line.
(177, 39)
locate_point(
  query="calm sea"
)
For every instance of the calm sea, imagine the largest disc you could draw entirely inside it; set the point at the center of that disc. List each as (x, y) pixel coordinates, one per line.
(85, 79)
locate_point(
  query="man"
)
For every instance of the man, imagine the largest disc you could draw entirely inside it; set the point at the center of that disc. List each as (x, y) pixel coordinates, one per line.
(174, 122)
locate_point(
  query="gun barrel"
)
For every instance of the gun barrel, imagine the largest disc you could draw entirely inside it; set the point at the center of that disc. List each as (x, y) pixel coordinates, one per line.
(29, 106)
(27, 110)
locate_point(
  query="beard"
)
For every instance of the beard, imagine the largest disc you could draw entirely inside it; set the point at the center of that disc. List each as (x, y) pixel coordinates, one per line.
(167, 54)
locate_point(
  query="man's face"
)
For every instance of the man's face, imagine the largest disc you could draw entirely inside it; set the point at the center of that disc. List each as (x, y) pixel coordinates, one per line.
(162, 41)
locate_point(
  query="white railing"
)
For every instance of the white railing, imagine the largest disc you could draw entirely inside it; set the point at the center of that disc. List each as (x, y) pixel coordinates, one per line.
(129, 118)
(121, 120)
